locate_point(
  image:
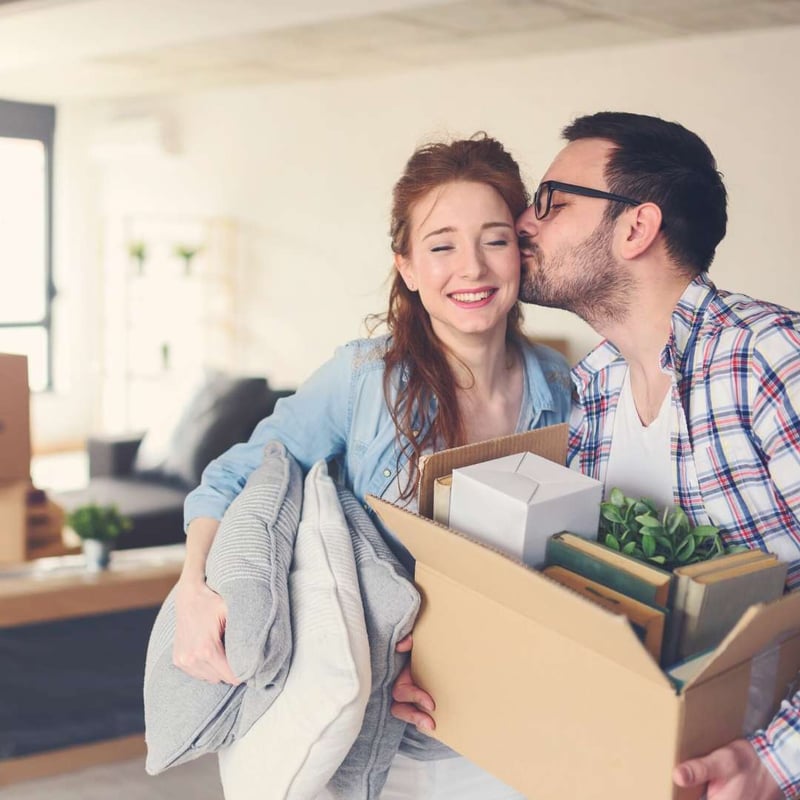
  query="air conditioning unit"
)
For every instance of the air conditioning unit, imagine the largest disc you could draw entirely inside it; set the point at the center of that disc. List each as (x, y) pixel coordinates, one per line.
(133, 137)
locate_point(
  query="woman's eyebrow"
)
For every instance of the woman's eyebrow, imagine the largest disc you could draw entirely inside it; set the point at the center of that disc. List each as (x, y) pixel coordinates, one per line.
(451, 229)
(448, 229)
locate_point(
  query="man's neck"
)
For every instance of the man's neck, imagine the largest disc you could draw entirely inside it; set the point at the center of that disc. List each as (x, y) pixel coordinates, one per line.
(641, 333)
(641, 337)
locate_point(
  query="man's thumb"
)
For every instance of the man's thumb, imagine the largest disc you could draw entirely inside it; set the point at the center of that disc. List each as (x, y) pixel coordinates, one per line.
(699, 771)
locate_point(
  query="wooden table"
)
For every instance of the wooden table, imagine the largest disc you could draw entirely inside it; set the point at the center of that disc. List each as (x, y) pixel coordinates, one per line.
(53, 589)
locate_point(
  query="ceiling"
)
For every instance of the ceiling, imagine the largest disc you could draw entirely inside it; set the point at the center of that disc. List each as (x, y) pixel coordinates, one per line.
(53, 50)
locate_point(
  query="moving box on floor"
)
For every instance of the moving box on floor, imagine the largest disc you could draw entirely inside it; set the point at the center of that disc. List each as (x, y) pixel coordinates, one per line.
(553, 694)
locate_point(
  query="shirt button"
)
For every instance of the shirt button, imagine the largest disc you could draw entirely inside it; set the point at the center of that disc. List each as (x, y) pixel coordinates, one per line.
(387, 473)
(415, 433)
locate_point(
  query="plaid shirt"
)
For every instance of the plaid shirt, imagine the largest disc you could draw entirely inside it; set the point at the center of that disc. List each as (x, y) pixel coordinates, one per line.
(735, 441)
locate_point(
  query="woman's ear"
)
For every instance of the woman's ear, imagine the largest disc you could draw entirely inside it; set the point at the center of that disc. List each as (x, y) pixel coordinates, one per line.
(403, 266)
(640, 227)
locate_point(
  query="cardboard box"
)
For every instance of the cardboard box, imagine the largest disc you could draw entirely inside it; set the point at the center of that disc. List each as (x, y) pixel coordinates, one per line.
(553, 694)
(13, 521)
(516, 502)
(31, 525)
(15, 423)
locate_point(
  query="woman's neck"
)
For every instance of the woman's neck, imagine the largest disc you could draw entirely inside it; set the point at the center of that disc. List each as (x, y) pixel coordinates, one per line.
(489, 376)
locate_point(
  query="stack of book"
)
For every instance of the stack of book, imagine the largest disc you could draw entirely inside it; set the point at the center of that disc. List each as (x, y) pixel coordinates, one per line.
(709, 598)
(676, 614)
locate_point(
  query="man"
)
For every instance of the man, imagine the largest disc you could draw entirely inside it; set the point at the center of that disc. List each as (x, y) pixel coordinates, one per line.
(694, 396)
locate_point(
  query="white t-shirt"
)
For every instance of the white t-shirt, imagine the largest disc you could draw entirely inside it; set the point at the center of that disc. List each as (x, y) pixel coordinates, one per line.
(639, 462)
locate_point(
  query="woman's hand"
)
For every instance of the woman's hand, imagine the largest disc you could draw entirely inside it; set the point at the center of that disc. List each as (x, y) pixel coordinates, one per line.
(411, 704)
(200, 625)
(200, 613)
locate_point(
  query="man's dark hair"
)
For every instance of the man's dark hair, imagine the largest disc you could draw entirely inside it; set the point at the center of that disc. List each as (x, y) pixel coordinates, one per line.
(663, 163)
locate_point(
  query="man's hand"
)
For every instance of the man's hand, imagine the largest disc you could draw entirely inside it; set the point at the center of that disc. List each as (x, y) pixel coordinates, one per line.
(201, 615)
(411, 704)
(733, 772)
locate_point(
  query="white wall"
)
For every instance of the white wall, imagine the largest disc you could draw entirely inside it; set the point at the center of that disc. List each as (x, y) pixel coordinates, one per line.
(308, 168)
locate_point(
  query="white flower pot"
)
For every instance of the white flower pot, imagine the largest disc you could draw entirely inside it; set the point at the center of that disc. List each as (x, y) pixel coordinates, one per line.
(97, 554)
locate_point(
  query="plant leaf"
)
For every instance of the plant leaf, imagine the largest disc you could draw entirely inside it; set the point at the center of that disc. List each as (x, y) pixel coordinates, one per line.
(685, 548)
(610, 512)
(611, 541)
(617, 497)
(705, 531)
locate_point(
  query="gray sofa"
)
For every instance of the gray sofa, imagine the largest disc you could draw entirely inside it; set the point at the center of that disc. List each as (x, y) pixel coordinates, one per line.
(148, 475)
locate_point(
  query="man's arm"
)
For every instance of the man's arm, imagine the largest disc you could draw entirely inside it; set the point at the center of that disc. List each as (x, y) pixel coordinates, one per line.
(778, 747)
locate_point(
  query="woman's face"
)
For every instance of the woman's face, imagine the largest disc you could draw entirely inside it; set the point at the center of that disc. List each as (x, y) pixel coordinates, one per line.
(463, 259)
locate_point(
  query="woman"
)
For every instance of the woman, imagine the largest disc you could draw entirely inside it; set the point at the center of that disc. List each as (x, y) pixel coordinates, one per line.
(454, 368)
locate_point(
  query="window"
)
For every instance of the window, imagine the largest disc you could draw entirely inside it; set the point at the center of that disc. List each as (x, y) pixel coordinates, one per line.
(26, 282)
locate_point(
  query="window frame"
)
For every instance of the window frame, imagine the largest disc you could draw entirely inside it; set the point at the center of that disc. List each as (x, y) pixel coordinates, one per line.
(36, 121)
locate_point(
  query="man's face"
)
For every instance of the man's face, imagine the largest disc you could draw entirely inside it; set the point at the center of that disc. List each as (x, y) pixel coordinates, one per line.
(567, 257)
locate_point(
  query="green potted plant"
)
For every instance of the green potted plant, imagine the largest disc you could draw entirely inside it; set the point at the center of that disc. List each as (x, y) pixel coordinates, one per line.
(98, 527)
(186, 253)
(635, 527)
(137, 250)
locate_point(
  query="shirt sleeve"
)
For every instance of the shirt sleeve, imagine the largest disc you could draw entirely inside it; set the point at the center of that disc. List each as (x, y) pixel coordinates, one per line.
(778, 747)
(312, 424)
(775, 390)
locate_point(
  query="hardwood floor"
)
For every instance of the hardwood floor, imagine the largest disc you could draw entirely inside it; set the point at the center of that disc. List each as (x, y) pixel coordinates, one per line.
(125, 780)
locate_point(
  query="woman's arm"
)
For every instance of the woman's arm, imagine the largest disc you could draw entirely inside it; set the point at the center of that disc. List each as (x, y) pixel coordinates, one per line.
(313, 425)
(200, 613)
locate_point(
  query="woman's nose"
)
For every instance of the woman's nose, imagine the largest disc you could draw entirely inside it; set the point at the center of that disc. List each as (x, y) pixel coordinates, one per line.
(474, 264)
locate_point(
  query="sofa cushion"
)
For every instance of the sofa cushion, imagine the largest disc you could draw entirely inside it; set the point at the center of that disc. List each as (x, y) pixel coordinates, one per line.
(391, 603)
(220, 412)
(248, 565)
(291, 752)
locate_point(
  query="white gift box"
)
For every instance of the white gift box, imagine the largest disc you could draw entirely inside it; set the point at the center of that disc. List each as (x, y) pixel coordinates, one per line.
(516, 502)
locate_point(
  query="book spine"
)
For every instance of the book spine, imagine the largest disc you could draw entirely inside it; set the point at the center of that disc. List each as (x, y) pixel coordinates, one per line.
(558, 553)
(672, 636)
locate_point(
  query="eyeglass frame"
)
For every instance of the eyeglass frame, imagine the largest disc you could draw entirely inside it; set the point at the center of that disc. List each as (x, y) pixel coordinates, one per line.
(571, 188)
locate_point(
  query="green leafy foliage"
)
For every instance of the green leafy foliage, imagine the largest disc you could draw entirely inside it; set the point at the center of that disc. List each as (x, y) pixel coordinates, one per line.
(103, 523)
(137, 250)
(635, 527)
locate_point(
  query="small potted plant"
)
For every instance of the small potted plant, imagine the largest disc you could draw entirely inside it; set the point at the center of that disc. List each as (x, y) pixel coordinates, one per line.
(137, 250)
(186, 253)
(98, 527)
(635, 527)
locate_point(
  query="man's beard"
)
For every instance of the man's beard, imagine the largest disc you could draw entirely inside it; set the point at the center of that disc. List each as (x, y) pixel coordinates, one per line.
(596, 292)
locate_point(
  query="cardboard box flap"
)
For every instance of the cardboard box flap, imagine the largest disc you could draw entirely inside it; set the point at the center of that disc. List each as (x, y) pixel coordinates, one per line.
(519, 588)
(550, 442)
(760, 626)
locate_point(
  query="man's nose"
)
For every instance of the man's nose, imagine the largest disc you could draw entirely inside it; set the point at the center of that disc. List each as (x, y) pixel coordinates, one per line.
(527, 225)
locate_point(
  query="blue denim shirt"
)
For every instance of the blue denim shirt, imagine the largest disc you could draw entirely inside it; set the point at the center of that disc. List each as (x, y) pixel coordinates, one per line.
(340, 414)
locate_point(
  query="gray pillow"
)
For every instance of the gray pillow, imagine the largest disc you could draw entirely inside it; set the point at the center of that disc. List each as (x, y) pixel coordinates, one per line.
(248, 565)
(391, 603)
(220, 412)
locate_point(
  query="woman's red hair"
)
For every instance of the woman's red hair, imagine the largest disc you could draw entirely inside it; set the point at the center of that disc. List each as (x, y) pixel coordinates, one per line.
(419, 384)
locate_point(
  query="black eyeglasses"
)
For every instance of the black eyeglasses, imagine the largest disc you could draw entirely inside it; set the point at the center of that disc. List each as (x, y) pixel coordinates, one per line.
(544, 196)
